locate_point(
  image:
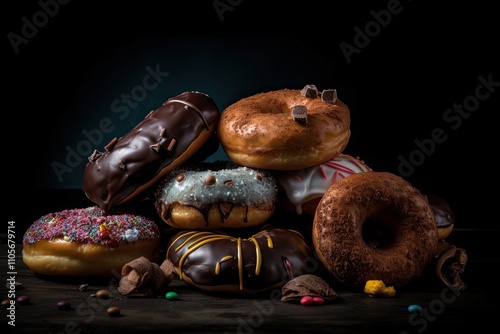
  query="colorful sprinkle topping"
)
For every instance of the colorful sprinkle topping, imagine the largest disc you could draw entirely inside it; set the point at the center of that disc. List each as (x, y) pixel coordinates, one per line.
(88, 225)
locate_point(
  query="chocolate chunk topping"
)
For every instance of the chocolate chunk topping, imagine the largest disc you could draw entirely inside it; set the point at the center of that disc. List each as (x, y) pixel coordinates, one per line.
(209, 180)
(450, 264)
(309, 91)
(141, 277)
(155, 147)
(180, 177)
(299, 114)
(329, 95)
(95, 155)
(307, 285)
(111, 144)
(121, 165)
(170, 146)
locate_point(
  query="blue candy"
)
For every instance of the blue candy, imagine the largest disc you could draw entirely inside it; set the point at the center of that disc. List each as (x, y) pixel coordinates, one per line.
(414, 308)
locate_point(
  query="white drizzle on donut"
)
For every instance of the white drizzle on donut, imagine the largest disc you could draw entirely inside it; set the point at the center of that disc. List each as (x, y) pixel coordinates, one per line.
(306, 184)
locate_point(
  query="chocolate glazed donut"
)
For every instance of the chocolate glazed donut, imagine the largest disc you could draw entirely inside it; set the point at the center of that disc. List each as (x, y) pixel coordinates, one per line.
(218, 262)
(166, 138)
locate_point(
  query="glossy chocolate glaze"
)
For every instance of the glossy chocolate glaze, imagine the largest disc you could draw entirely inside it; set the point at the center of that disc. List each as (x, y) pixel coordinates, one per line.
(215, 261)
(137, 158)
(443, 214)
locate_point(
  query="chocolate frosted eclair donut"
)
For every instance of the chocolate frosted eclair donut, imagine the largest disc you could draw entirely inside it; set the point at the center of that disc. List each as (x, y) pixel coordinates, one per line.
(166, 138)
(218, 262)
(211, 196)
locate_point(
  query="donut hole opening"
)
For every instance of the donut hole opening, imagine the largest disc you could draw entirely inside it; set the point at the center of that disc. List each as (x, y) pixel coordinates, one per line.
(380, 229)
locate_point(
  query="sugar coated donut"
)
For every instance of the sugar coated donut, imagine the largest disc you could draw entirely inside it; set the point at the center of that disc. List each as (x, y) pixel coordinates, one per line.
(85, 242)
(217, 262)
(304, 188)
(214, 197)
(374, 226)
(166, 138)
(285, 129)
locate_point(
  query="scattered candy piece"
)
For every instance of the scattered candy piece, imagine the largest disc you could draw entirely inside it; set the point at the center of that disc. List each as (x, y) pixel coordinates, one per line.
(414, 308)
(103, 294)
(377, 288)
(172, 295)
(306, 300)
(309, 300)
(23, 300)
(17, 285)
(63, 305)
(318, 300)
(113, 311)
(6, 303)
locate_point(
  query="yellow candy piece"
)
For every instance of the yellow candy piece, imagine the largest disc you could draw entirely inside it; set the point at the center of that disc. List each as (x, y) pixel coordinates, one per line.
(377, 287)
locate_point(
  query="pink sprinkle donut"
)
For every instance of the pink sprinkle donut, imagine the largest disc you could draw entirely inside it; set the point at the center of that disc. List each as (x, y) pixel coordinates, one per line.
(85, 242)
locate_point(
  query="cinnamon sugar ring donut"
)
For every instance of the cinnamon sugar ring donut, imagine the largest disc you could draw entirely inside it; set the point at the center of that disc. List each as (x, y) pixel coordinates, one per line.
(374, 226)
(212, 196)
(304, 188)
(85, 242)
(215, 261)
(285, 129)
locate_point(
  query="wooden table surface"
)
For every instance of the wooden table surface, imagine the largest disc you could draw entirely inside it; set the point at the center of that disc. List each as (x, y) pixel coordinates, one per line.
(200, 312)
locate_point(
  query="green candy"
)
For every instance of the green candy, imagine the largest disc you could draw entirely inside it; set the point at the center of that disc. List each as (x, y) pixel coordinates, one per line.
(171, 295)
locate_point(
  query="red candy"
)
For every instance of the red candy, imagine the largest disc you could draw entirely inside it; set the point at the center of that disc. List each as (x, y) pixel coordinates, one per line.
(308, 300)
(318, 300)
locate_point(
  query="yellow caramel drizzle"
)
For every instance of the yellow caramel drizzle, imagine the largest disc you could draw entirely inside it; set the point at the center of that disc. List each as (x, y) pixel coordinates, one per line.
(224, 259)
(240, 264)
(194, 240)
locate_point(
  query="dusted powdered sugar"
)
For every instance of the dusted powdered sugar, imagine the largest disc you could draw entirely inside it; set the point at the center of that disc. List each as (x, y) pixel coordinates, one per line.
(89, 225)
(198, 188)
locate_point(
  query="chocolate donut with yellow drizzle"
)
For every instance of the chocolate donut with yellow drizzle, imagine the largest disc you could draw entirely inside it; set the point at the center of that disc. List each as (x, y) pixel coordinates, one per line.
(218, 262)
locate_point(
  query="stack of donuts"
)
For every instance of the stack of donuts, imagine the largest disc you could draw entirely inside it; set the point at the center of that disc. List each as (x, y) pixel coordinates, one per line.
(286, 151)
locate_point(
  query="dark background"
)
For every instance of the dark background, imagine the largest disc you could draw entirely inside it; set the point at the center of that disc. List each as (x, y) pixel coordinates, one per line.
(415, 66)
